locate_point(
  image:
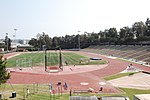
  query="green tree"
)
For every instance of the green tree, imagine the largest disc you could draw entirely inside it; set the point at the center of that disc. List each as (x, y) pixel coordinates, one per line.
(48, 41)
(139, 28)
(4, 76)
(55, 42)
(94, 38)
(113, 32)
(34, 42)
(7, 43)
(147, 33)
(125, 35)
(126, 32)
(44, 39)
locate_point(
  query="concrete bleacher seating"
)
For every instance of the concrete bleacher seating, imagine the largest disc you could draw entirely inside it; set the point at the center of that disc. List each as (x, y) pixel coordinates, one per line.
(147, 60)
(135, 52)
(129, 52)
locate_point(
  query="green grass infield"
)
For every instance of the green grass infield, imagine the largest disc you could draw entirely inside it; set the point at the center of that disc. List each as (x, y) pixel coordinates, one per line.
(38, 59)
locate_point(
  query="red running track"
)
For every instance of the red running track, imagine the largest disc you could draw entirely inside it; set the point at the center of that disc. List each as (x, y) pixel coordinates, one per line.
(91, 77)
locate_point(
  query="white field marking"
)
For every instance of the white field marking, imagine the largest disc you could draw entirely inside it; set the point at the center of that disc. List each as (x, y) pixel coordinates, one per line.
(84, 83)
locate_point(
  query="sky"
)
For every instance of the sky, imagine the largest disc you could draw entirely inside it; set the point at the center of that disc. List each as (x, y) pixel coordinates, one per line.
(67, 17)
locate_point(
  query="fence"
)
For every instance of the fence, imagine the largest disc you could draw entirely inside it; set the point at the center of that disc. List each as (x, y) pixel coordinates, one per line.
(42, 91)
(23, 62)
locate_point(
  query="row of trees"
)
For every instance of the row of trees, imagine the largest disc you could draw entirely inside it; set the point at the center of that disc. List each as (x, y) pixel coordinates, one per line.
(138, 33)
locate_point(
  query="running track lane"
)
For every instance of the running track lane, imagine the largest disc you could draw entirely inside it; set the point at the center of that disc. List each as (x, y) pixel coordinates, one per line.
(92, 77)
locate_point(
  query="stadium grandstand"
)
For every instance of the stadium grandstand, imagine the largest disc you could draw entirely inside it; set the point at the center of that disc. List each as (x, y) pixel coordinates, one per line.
(136, 53)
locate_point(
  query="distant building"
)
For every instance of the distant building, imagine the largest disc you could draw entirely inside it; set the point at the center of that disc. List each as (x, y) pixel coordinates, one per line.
(16, 44)
(1, 40)
(19, 42)
(24, 48)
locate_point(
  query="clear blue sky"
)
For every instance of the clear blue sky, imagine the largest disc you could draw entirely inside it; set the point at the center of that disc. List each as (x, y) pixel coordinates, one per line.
(61, 17)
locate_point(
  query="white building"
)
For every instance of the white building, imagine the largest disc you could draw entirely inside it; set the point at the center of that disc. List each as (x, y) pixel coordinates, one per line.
(19, 42)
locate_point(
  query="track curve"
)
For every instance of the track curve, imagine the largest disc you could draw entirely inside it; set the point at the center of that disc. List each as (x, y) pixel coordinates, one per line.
(93, 78)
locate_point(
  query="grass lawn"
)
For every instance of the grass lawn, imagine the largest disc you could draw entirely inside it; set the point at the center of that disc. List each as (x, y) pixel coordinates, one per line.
(118, 75)
(37, 59)
(6, 90)
(131, 92)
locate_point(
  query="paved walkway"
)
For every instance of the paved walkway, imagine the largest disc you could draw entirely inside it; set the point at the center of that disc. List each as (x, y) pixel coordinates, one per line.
(137, 81)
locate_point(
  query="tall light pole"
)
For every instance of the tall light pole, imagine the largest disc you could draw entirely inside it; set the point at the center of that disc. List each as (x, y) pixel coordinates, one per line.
(60, 60)
(79, 40)
(45, 56)
(15, 33)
